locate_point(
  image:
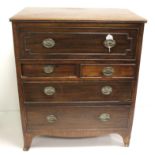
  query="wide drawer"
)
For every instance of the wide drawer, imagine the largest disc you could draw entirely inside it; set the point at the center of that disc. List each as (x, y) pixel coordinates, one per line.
(49, 70)
(79, 43)
(108, 70)
(78, 118)
(69, 92)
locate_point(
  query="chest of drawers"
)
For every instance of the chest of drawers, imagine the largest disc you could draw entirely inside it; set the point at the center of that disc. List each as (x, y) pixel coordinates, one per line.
(77, 71)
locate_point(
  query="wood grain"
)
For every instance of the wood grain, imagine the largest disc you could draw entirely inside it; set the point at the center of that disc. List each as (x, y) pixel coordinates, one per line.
(76, 118)
(59, 70)
(78, 58)
(78, 42)
(77, 91)
(77, 14)
(119, 71)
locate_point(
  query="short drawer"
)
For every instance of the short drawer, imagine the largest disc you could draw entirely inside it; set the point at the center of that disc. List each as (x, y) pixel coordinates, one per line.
(72, 117)
(108, 71)
(74, 92)
(49, 70)
(79, 43)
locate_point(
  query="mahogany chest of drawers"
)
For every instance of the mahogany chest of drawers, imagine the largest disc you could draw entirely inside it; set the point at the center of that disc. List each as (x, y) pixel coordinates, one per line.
(77, 71)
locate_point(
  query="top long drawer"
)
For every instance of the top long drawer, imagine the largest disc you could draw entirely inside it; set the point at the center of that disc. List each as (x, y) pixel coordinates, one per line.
(78, 43)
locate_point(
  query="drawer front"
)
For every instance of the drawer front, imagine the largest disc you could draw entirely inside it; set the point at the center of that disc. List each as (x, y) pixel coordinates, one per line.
(59, 118)
(108, 71)
(91, 43)
(69, 92)
(49, 70)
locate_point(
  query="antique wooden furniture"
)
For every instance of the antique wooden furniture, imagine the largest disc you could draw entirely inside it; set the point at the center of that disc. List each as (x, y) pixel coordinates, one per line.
(77, 71)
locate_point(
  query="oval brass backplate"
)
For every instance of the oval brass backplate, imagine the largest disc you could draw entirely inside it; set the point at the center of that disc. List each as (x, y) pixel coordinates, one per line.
(106, 90)
(48, 69)
(109, 42)
(108, 71)
(104, 117)
(48, 43)
(49, 90)
(51, 118)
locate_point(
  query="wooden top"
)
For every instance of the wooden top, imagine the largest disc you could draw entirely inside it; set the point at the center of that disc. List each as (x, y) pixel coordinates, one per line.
(77, 14)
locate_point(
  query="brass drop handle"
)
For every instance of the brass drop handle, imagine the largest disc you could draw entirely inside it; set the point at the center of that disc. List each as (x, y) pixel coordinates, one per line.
(48, 43)
(49, 90)
(109, 42)
(48, 69)
(106, 90)
(104, 117)
(107, 71)
(51, 118)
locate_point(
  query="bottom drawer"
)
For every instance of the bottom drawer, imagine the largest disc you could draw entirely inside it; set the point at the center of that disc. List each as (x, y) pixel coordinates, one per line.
(76, 117)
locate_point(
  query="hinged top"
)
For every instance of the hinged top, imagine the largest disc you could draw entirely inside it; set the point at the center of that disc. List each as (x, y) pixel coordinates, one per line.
(77, 14)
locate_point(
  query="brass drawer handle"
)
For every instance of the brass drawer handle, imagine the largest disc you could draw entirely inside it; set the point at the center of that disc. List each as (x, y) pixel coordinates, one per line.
(104, 117)
(108, 71)
(48, 43)
(51, 118)
(48, 69)
(49, 90)
(109, 42)
(106, 90)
